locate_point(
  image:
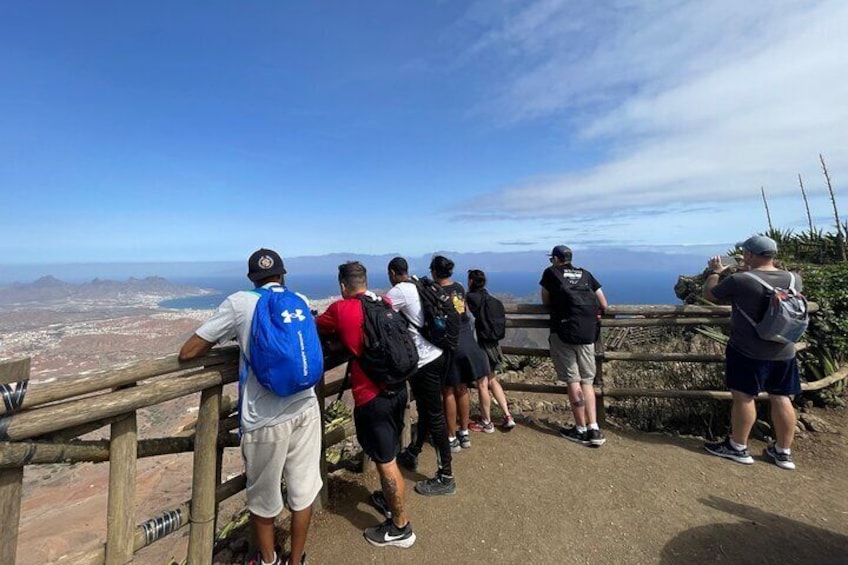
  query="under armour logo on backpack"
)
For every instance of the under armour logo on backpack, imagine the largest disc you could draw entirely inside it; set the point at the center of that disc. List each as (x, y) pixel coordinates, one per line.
(288, 316)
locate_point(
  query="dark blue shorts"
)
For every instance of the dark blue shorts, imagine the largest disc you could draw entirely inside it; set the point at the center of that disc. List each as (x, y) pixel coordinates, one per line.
(753, 376)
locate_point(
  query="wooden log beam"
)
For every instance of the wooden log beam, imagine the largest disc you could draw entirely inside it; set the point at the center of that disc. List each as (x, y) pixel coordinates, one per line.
(827, 381)
(202, 534)
(662, 357)
(665, 393)
(39, 421)
(638, 310)
(16, 454)
(11, 480)
(632, 356)
(99, 381)
(627, 322)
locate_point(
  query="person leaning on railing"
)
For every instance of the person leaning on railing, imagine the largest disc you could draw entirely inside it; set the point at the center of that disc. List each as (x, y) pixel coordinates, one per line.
(281, 434)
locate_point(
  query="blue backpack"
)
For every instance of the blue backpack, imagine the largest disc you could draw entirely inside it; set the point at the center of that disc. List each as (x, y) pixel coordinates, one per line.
(285, 351)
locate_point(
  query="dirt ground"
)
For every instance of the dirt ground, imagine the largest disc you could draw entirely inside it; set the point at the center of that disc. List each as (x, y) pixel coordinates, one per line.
(529, 496)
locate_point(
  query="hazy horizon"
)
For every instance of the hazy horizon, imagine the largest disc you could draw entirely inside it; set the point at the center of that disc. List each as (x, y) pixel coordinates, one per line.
(686, 259)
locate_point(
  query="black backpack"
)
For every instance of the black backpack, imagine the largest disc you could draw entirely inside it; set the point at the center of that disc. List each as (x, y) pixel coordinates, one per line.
(441, 320)
(578, 310)
(389, 355)
(491, 320)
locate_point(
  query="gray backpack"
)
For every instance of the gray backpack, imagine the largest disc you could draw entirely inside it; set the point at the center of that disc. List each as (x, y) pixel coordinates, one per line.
(786, 317)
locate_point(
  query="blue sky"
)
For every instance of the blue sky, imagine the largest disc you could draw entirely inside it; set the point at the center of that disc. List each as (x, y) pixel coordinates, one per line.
(174, 131)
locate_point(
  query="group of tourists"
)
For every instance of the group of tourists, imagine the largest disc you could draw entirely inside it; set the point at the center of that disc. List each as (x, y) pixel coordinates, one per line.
(432, 336)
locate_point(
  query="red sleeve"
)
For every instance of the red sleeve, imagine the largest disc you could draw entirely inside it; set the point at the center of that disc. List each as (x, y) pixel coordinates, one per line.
(328, 322)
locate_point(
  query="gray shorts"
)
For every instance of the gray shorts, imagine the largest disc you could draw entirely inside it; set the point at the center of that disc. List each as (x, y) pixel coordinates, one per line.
(573, 363)
(290, 450)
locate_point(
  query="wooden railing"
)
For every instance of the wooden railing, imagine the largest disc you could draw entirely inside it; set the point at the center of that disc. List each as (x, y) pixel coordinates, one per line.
(43, 425)
(638, 316)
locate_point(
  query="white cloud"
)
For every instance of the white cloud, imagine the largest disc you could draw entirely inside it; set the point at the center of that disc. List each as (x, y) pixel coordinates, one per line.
(693, 101)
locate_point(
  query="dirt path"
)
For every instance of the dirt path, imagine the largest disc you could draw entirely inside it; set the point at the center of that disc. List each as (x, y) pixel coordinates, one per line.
(531, 497)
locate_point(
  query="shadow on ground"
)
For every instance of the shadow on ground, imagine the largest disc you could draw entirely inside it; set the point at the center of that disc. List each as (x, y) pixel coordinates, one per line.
(758, 537)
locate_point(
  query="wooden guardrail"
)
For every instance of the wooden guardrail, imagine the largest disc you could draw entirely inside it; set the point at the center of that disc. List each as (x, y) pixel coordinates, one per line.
(636, 316)
(40, 423)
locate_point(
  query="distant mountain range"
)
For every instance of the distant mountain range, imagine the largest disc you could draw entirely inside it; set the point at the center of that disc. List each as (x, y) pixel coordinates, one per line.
(50, 289)
(677, 258)
(602, 259)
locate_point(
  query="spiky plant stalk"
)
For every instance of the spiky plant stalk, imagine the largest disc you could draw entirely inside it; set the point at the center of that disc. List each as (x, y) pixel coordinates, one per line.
(806, 205)
(765, 203)
(840, 237)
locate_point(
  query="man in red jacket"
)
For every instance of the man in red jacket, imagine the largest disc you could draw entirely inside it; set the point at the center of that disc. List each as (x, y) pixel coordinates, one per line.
(378, 410)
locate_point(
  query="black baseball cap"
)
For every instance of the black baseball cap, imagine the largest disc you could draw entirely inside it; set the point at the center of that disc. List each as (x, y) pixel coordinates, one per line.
(561, 252)
(264, 263)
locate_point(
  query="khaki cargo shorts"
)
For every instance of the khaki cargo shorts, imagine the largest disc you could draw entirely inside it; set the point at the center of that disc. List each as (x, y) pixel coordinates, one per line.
(290, 450)
(573, 363)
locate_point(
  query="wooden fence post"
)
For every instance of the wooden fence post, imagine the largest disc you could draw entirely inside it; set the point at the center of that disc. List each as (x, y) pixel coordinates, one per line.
(600, 409)
(324, 497)
(120, 515)
(11, 480)
(202, 534)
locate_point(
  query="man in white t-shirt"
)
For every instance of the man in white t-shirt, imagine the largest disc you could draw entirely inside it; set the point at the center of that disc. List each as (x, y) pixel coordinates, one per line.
(281, 434)
(426, 384)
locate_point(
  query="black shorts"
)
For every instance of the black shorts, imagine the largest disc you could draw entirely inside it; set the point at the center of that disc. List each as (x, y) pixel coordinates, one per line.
(468, 363)
(379, 424)
(753, 376)
(494, 355)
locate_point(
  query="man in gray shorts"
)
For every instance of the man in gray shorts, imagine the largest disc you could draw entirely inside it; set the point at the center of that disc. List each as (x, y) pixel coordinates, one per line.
(576, 301)
(281, 434)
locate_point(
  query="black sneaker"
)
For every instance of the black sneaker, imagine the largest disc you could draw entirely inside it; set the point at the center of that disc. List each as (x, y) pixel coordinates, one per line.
(464, 440)
(724, 449)
(596, 438)
(571, 434)
(438, 485)
(782, 460)
(388, 534)
(408, 460)
(380, 503)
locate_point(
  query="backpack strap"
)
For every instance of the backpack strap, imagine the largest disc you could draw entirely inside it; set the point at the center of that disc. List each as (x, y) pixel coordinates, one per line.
(767, 285)
(416, 282)
(345, 381)
(558, 273)
(245, 364)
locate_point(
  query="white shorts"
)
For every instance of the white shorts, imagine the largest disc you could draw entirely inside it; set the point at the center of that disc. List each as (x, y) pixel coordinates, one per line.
(573, 363)
(290, 450)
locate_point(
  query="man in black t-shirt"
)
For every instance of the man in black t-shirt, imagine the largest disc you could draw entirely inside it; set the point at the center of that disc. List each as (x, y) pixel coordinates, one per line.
(754, 365)
(576, 301)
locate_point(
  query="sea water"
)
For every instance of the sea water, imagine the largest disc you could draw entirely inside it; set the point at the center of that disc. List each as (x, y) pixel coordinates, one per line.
(620, 287)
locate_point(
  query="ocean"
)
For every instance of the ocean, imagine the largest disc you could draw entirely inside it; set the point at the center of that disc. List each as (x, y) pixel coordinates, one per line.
(620, 287)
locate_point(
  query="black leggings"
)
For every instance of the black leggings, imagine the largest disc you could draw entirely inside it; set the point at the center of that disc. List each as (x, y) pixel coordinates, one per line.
(427, 388)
